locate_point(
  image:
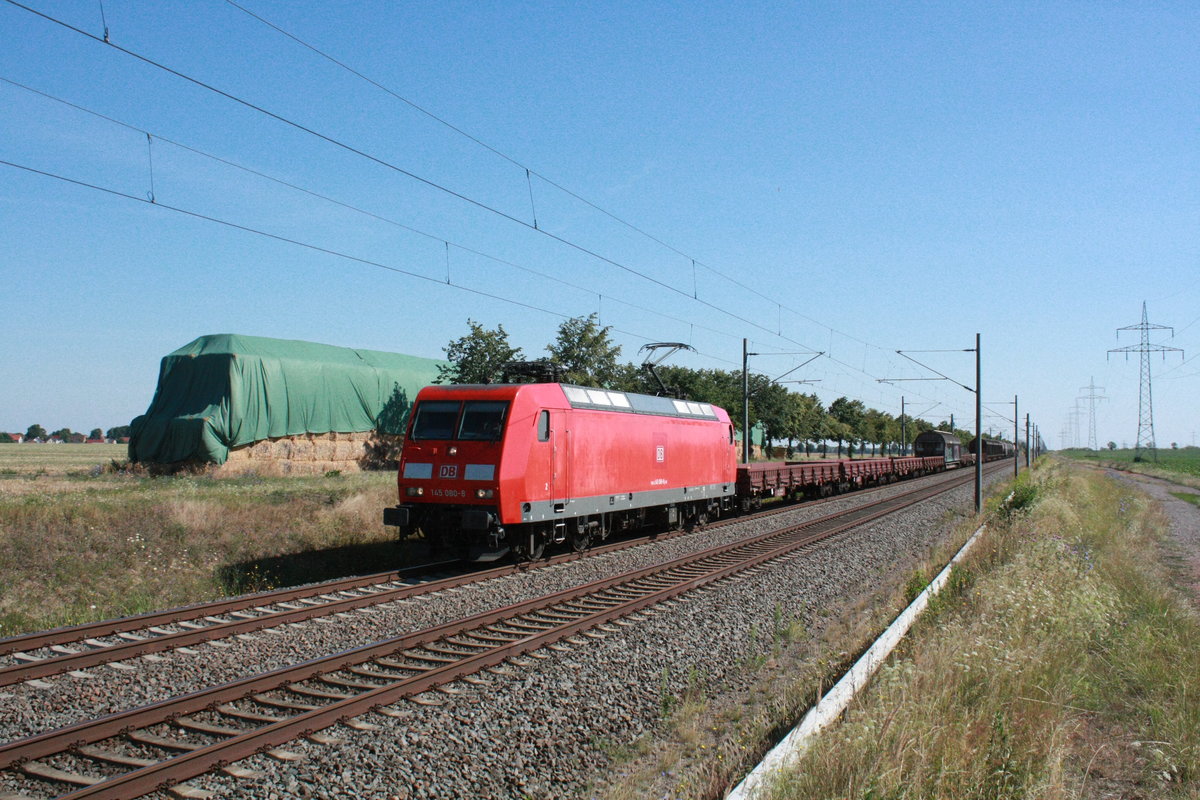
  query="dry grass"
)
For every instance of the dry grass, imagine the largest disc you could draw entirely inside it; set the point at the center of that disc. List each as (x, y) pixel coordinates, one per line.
(79, 546)
(1063, 666)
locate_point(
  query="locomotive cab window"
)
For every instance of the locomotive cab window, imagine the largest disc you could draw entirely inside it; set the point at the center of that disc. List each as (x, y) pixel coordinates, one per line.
(543, 426)
(482, 421)
(435, 420)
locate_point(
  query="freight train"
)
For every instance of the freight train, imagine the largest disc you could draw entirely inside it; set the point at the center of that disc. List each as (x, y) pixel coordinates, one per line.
(993, 449)
(488, 469)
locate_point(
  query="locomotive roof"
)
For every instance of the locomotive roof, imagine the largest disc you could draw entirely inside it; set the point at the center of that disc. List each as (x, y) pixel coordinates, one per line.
(590, 397)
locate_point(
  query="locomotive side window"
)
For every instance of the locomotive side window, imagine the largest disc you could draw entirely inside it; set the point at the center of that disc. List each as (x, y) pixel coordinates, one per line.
(544, 426)
(482, 420)
(435, 420)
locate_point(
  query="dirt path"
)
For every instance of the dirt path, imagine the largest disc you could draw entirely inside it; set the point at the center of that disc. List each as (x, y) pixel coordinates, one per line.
(1183, 543)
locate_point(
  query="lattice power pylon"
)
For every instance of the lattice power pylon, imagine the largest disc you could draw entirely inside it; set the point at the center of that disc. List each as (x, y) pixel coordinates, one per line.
(1092, 397)
(1145, 435)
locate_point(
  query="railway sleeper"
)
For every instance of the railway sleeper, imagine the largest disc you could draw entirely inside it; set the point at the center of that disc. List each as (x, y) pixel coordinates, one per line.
(335, 680)
(435, 647)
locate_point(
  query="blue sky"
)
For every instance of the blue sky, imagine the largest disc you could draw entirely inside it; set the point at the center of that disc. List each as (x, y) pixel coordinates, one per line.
(884, 176)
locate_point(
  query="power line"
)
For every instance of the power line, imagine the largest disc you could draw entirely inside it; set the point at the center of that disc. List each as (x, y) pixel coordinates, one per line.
(434, 185)
(356, 209)
(531, 171)
(306, 245)
(396, 168)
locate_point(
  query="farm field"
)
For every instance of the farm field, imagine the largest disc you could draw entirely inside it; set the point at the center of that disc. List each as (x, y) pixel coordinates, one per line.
(1181, 465)
(81, 540)
(57, 459)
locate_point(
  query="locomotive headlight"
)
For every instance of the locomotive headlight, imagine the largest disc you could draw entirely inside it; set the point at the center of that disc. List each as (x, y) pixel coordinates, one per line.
(484, 493)
(453, 451)
(414, 491)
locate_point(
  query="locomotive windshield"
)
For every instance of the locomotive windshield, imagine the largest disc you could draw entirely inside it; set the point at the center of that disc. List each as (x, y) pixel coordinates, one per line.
(479, 421)
(482, 421)
(435, 420)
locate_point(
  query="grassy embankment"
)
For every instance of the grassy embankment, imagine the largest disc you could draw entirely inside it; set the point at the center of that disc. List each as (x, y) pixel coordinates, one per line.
(1060, 663)
(1180, 466)
(80, 541)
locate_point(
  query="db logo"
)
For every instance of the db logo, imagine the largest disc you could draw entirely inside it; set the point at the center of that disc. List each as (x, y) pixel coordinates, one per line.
(660, 454)
(448, 471)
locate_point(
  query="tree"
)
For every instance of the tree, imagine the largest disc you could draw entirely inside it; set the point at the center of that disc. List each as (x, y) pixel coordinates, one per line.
(807, 416)
(769, 405)
(6, 438)
(63, 433)
(585, 352)
(852, 416)
(1112, 445)
(877, 424)
(96, 434)
(478, 357)
(35, 432)
(119, 432)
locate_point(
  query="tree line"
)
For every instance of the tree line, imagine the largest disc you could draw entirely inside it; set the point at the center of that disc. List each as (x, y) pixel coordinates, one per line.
(37, 432)
(582, 352)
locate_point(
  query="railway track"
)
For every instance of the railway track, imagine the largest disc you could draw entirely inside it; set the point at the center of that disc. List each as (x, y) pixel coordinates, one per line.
(144, 749)
(72, 649)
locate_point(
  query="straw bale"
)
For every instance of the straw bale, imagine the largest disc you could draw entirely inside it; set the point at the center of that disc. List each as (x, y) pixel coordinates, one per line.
(304, 454)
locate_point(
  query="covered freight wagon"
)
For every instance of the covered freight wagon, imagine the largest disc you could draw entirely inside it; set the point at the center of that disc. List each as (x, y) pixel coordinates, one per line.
(299, 406)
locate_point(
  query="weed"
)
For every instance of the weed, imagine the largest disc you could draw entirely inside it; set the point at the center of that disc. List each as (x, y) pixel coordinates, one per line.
(915, 584)
(666, 700)
(1190, 497)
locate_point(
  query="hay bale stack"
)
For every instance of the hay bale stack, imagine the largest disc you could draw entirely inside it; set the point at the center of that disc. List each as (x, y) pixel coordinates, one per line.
(314, 454)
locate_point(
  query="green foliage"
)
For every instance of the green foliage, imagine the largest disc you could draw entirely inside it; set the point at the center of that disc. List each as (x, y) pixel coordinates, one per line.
(35, 432)
(96, 434)
(118, 432)
(584, 350)
(478, 357)
(6, 439)
(1024, 496)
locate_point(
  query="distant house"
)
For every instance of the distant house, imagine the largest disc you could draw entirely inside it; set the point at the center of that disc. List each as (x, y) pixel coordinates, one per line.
(96, 441)
(16, 437)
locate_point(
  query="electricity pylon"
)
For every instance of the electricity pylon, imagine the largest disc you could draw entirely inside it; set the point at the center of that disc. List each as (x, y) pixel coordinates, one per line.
(1145, 435)
(1092, 397)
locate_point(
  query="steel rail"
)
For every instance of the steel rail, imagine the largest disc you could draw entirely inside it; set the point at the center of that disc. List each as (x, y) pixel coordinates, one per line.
(97, 655)
(76, 633)
(762, 548)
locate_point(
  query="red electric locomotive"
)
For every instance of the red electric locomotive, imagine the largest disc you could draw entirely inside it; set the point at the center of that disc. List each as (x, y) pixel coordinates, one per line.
(488, 468)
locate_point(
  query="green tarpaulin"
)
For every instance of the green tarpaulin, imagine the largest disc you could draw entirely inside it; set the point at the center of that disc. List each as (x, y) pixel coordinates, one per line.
(224, 391)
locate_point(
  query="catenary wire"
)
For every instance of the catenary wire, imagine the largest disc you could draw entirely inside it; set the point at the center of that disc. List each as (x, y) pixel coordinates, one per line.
(531, 171)
(356, 209)
(438, 187)
(396, 168)
(305, 245)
